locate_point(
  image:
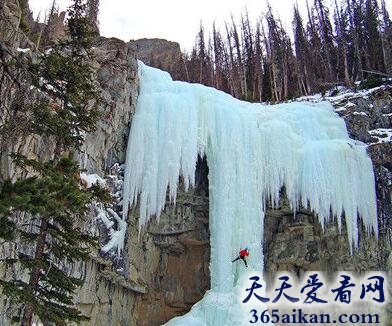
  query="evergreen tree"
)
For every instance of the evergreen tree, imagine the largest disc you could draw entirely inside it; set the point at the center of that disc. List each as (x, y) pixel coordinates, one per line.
(262, 65)
(374, 56)
(386, 28)
(48, 193)
(202, 56)
(266, 83)
(220, 61)
(280, 59)
(233, 71)
(251, 57)
(356, 30)
(342, 38)
(52, 238)
(92, 13)
(327, 48)
(302, 52)
(320, 66)
(258, 62)
(238, 61)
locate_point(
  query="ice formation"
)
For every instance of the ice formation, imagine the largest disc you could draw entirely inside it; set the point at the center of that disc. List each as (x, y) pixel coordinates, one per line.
(252, 151)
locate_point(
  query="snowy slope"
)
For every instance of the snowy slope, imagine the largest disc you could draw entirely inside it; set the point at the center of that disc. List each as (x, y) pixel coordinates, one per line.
(252, 151)
(366, 110)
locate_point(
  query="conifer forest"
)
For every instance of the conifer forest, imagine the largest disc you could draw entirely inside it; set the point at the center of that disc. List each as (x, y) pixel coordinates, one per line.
(328, 47)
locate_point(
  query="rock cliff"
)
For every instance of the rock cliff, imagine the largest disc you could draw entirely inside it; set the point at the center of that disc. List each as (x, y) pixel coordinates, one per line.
(166, 269)
(161, 54)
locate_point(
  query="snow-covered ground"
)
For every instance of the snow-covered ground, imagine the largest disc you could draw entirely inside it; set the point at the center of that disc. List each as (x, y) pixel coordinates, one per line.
(252, 151)
(339, 94)
(342, 100)
(382, 135)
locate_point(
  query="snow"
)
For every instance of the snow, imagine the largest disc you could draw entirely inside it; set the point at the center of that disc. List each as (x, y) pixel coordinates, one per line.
(252, 151)
(359, 113)
(116, 232)
(109, 214)
(310, 98)
(382, 135)
(372, 90)
(92, 179)
(48, 86)
(23, 50)
(341, 96)
(114, 224)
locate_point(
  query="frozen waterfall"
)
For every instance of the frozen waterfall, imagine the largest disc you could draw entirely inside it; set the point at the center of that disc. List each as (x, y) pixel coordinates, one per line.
(252, 151)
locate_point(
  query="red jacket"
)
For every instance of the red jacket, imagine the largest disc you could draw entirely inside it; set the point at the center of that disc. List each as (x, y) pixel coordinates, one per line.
(244, 253)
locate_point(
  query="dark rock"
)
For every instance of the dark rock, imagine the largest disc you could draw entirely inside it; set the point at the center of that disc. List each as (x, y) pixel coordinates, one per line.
(162, 54)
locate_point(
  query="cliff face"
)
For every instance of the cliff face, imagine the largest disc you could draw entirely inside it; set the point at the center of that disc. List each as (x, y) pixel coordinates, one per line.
(172, 256)
(161, 54)
(116, 73)
(106, 297)
(166, 269)
(167, 265)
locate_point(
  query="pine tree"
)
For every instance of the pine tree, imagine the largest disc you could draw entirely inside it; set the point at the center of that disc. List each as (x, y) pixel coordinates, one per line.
(233, 71)
(251, 61)
(326, 37)
(374, 56)
(260, 64)
(48, 193)
(320, 67)
(342, 38)
(57, 206)
(386, 39)
(92, 14)
(280, 58)
(219, 60)
(238, 59)
(202, 55)
(354, 11)
(302, 52)
(259, 58)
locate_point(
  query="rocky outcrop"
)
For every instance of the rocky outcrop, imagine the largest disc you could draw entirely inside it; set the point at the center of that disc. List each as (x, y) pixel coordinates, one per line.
(162, 54)
(16, 20)
(174, 259)
(166, 265)
(116, 74)
(107, 297)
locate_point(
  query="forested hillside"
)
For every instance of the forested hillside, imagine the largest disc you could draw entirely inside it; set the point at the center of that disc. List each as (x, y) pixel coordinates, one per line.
(339, 45)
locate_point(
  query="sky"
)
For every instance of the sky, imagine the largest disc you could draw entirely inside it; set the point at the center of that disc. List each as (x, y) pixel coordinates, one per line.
(176, 20)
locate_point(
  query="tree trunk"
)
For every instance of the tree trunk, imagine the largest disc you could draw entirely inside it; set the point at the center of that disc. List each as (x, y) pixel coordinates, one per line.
(36, 270)
(347, 78)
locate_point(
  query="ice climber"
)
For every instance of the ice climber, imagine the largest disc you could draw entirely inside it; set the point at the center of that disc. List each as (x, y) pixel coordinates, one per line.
(242, 254)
